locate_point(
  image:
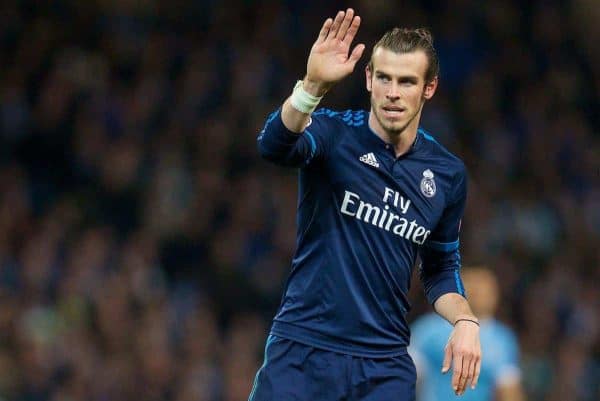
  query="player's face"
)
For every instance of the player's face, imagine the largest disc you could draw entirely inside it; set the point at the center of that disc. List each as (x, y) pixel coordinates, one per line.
(398, 89)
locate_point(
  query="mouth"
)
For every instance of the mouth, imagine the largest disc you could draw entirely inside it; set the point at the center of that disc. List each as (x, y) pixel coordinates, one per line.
(393, 111)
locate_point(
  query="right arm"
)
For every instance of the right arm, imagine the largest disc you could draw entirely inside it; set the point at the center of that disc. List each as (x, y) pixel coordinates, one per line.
(282, 140)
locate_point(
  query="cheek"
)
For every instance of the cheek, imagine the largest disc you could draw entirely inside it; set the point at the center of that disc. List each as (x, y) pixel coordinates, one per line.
(377, 92)
(384, 88)
(414, 96)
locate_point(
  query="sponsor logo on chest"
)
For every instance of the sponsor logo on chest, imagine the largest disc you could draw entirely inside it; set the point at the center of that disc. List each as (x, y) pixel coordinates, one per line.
(389, 218)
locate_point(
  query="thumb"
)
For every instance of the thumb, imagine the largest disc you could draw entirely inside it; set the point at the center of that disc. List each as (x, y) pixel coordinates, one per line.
(356, 53)
(447, 358)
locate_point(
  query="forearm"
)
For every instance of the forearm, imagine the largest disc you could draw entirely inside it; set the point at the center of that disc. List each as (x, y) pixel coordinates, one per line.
(295, 120)
(463, 350)
(453, 306)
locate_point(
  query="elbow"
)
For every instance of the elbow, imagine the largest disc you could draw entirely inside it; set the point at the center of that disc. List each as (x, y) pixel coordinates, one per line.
(270, 154)
(261, 148)
(441, 282)
(266, 153)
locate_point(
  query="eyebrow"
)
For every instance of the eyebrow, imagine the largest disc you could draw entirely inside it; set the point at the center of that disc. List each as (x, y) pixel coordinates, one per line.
(401, 78)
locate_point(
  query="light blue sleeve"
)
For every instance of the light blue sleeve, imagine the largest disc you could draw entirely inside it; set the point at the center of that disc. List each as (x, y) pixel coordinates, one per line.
(506, 366)
(426, 342)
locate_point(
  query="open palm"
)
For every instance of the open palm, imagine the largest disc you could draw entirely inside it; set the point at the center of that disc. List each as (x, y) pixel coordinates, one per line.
(329, 60)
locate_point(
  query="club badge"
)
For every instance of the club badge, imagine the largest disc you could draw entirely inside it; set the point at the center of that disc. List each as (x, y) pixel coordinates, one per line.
(428, 184)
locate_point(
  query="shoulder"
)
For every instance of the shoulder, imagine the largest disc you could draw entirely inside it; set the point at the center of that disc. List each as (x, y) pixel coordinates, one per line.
(502, 330)
(439, 151)
(502, 335)
(349, 118)
(452, 165)
(330, 127)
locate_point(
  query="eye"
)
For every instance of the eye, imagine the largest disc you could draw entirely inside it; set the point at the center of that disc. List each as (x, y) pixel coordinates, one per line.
(383, 78)
(407, 82)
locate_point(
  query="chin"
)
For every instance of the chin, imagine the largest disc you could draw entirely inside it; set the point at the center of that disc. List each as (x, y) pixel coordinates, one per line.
(396, 127)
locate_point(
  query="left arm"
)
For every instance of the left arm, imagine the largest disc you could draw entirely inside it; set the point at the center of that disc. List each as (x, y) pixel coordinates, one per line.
(440, 264)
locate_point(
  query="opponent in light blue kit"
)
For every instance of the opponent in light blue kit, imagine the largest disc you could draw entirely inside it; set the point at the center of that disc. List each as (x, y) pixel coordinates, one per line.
(500, 371)
(375, 190)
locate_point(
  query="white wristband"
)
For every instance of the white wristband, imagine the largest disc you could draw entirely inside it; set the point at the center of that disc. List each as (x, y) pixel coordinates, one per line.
(303, 101)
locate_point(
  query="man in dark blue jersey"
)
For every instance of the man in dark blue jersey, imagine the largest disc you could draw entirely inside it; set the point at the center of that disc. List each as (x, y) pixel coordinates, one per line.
(375, 190)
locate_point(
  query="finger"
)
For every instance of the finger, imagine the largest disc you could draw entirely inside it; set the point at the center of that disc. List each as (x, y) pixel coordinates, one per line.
(471, 374)
(477, 371)
(447, 359)
(351, 33)
(345, 24)
(324, 30)
(356, 54)
(336, 25)
(464, 377)
(457, 364)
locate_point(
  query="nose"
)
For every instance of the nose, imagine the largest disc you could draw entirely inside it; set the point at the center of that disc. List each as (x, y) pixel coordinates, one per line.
(393, 92)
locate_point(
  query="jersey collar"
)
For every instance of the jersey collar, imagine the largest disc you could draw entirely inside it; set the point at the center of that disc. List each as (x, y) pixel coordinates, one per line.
(374, 140)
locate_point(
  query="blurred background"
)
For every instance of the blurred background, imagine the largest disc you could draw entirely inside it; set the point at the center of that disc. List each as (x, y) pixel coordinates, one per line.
(144, 244)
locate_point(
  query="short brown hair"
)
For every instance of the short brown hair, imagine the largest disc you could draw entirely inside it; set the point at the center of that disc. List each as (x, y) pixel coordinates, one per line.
(405, 40)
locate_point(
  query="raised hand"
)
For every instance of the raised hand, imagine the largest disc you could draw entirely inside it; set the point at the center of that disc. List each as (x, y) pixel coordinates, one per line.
(329, 60)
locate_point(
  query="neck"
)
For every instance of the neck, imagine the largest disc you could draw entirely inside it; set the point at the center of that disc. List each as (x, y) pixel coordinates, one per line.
(401, 139)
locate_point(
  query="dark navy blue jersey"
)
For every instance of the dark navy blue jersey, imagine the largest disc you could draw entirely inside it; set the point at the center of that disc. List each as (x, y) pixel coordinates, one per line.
(363, 217)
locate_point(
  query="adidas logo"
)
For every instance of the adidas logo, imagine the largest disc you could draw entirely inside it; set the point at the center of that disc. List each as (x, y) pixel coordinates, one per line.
(369, 159)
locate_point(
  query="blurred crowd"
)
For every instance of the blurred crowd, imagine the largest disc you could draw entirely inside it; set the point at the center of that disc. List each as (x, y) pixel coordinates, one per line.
(144, 244)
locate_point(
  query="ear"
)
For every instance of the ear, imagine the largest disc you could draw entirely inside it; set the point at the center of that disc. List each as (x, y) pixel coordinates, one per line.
(368, 77)
(430, 88)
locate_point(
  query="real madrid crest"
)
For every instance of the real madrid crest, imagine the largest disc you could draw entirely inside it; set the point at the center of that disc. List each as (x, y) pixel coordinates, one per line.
(428, 184)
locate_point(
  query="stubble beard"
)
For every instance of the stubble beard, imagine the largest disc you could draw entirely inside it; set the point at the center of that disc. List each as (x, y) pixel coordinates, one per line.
(394, 132)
